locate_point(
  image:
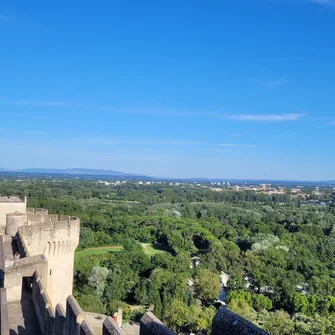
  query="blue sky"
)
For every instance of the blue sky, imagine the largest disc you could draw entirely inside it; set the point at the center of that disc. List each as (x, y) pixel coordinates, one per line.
(229, 89)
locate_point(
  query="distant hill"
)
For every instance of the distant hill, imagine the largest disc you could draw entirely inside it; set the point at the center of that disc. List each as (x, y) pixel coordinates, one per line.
(111, 174)
(77, 171)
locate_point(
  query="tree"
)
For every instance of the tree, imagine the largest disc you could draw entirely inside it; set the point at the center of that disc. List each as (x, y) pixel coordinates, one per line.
(98, 280)
(260, 302)
(91, 303)
(207, 285)
(242, 308)
(158, 309)
(203, 319)
(178, 315)
(141, 292)
(279, 323)
(300, 303)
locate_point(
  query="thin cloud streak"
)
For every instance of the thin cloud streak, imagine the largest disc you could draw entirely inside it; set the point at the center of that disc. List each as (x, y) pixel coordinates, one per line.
(24, 132)
(98, 140)
(330, 3)
(156, 111)
(43, 103)
(219, 150)
(265, 117)
(272, 83)
(227, 145)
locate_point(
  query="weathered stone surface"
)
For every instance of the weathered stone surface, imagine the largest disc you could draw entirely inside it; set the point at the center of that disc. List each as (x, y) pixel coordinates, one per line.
(227, 322)
(60, 320)
(74, 316)
(151, 325)
(22, 315)
(4, 326)
(86, 329)
(110, 327)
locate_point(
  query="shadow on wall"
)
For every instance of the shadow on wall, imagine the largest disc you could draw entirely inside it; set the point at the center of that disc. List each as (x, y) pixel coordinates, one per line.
(27, 321)
(21, 331)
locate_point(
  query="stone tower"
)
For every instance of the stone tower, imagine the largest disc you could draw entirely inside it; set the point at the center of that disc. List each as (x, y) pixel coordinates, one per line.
(56, 238)
(51, 238)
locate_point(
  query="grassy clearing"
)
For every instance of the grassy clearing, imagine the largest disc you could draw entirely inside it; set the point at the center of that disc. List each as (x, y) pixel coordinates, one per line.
(149, 249)
(97, 251)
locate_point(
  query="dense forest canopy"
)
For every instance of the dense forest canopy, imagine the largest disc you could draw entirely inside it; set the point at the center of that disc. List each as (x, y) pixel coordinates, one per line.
(178, 242)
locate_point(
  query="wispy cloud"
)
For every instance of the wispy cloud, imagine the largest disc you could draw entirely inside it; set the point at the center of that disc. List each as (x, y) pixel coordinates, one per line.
(71, 137)
(227, 145)
(24, 132)
(43, 103)
(3, 18)
(219, 150)
(330, 3)
(155, 111)
(272, 83)
(332, 123)
(265, 117)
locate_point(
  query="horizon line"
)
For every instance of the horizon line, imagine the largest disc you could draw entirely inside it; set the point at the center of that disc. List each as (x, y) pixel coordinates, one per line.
(124, 174)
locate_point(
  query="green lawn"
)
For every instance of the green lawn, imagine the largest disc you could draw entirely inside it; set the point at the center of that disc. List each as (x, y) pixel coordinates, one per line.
(97, 251)
(149, 249)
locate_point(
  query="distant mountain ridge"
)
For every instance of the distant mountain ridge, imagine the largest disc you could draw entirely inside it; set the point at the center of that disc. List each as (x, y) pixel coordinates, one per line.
(76, 171)
(118, 174)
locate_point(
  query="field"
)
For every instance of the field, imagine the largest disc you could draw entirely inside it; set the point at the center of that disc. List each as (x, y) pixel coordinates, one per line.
(149, 249)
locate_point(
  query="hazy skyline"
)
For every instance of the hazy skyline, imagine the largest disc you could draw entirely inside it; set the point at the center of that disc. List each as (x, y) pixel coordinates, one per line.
(229, 89)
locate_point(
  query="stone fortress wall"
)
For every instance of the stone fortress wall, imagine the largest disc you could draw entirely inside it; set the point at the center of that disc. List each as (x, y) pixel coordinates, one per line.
(37, 251)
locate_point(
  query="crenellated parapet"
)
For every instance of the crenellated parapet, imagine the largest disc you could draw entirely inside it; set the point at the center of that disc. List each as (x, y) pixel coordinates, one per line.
(54, 237)
(37, 217)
